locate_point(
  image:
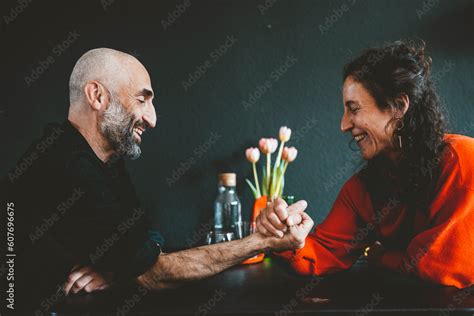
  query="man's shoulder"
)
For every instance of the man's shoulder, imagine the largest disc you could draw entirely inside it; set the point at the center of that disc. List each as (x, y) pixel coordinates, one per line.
(56, 153)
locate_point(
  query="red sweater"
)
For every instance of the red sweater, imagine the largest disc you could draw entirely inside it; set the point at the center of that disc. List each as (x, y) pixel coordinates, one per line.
(442, 248)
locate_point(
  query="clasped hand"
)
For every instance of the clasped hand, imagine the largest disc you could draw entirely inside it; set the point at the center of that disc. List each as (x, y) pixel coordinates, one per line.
(287, 225)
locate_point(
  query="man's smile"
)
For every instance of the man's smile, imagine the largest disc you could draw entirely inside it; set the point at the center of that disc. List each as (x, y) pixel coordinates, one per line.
(138, 131)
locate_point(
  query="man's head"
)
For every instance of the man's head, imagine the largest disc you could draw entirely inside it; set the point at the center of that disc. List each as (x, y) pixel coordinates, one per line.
(111, 100)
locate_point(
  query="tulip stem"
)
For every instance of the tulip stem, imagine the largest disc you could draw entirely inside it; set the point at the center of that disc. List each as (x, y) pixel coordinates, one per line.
(278, 158)
(285, 165)
(269, 158)
(275, 167)
(256, 180)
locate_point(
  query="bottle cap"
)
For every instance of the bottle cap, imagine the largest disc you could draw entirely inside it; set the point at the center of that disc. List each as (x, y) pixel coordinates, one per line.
(227, 179)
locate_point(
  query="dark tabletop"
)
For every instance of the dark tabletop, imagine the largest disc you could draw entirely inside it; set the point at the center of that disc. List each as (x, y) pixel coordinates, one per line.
(270, 288)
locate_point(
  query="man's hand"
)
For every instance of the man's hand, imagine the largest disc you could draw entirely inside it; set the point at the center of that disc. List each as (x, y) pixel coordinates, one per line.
(87, 279)
(275, 219)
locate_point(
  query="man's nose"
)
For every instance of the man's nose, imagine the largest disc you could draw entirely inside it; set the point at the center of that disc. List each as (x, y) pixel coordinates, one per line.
(150, 116)
(346, 123)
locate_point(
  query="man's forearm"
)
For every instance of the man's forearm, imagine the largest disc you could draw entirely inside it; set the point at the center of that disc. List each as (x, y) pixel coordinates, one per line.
(201, 262)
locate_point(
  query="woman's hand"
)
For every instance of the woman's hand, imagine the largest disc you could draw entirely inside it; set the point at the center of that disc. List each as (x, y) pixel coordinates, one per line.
(294, 237)
(275, 219)
(374, 253)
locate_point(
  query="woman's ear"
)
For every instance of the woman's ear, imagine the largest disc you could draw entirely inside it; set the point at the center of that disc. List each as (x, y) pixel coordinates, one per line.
(404, 102)
(401, 105)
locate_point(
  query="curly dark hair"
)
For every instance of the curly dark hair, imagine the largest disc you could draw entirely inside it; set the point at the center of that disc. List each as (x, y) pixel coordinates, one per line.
(387, 72)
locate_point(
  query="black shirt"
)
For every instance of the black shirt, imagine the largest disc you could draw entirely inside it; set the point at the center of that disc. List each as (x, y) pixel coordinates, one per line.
(72, 208)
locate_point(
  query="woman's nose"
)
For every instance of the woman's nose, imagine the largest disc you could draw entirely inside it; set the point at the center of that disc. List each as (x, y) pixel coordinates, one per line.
(346, 123)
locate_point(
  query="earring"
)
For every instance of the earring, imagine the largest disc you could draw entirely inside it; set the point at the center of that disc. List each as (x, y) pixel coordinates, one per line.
(401, 125)
(350, 145)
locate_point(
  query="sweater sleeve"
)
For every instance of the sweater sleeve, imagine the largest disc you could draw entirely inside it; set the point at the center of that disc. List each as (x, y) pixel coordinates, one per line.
(442, 253)
(337, 242)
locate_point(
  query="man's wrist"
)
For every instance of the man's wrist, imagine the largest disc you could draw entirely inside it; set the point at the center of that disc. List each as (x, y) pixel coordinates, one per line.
(262, 242)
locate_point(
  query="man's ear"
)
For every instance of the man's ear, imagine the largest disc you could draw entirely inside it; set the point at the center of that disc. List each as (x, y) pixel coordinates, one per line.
(96, 95)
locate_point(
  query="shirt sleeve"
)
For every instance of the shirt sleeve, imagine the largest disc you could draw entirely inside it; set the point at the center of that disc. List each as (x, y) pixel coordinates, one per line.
(443, 252)
(337, 242)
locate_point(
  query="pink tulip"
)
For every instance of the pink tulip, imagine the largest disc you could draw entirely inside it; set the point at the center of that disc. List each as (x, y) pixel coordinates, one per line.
(272, 145)
(252, 154)
(262, 144)
(268, 145)
(285, 134)
(289, 154)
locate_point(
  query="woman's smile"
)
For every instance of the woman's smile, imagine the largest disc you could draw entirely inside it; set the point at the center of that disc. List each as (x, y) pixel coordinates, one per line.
(369, 126)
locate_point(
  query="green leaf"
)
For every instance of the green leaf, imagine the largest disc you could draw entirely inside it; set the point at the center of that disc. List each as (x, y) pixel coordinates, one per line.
(282, 186)
(252, 187)
(274, 180)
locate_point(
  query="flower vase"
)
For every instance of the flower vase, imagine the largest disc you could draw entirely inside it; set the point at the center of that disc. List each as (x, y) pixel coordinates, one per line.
(259, 204)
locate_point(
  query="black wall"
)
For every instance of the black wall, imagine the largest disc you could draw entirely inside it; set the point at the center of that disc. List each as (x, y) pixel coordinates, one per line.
(204, 128)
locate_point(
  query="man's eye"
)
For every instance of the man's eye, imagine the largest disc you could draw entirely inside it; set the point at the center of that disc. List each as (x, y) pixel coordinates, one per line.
(141, 101)
(354, 110)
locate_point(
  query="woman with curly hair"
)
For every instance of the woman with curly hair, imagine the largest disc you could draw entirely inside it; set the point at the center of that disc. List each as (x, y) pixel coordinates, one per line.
(411, 207)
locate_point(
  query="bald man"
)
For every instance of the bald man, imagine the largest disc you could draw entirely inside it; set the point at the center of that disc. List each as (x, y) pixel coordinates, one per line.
(81, 218)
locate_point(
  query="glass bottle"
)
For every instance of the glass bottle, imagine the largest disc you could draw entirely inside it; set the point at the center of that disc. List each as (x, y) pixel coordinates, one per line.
(227, 208)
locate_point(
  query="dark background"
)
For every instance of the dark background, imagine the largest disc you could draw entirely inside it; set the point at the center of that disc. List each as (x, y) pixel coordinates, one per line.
(205, 128)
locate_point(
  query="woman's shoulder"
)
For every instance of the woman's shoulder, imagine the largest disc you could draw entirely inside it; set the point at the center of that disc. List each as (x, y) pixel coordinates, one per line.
(461, 144)
(355, 183)
(458, 156)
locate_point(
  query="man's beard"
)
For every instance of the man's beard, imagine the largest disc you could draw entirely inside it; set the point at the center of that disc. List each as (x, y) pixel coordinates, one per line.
(117, 127)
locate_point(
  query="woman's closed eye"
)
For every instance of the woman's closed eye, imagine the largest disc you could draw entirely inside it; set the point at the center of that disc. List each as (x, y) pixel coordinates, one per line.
(354, 109)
